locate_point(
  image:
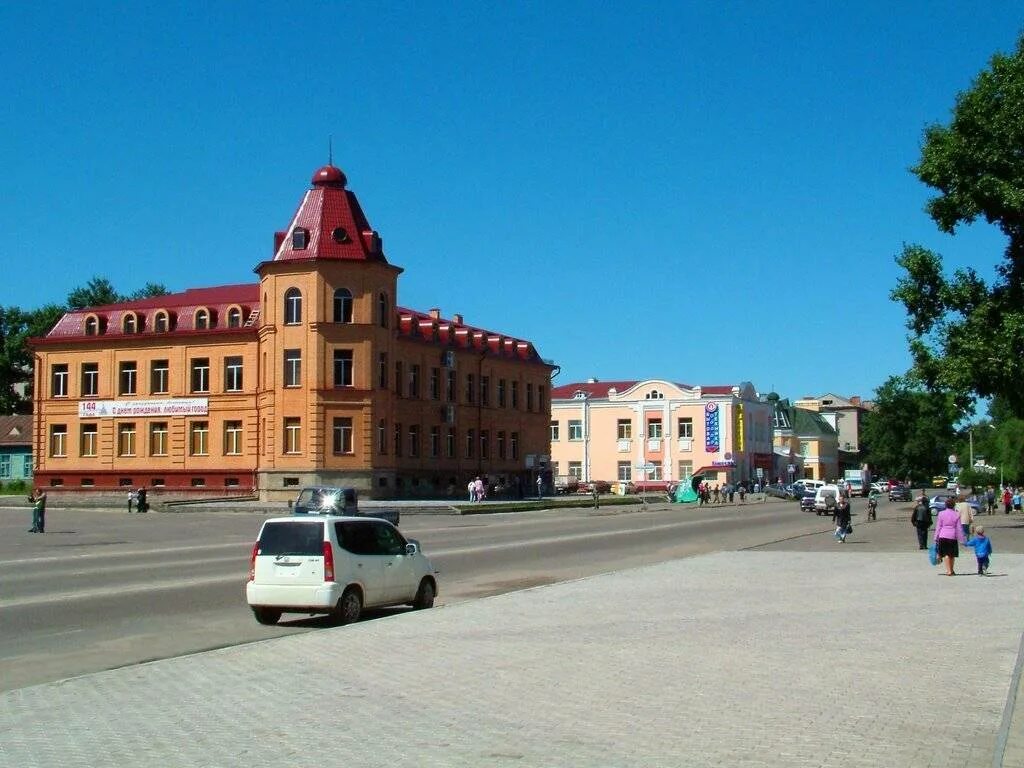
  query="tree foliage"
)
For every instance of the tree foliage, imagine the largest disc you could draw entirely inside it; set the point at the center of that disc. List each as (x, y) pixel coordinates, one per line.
(910, 431)
(18, 325)
(966, 333)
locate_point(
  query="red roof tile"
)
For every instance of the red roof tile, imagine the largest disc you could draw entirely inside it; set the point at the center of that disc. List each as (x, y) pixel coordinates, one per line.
(334, 222)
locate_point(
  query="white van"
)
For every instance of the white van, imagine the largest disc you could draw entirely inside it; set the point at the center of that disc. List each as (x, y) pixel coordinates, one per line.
(336, 565)
(821, 498)
(810, 485)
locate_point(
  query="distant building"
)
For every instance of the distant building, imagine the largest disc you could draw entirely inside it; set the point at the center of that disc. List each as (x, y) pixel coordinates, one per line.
(846, 415)
(656, 430)
(314, 375)
(805, 440)
(15, 448)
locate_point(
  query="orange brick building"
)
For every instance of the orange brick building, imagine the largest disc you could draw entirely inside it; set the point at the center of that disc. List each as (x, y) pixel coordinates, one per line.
(313, 375)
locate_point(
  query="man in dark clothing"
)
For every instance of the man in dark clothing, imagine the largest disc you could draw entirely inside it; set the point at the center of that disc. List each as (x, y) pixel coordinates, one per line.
(921, 519)
(38, 499)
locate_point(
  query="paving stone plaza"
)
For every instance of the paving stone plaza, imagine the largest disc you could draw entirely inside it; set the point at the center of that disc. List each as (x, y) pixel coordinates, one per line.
(733, 659)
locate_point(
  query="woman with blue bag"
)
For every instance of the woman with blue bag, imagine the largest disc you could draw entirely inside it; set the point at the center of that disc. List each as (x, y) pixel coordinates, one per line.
(949, 534)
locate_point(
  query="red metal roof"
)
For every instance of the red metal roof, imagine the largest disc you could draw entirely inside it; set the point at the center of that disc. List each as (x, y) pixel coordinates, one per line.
(420, 326)
(333, 220)
(181, 307)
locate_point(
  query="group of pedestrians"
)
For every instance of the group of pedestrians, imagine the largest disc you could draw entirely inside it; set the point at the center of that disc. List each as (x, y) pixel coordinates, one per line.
(954, 525)
(720, 494)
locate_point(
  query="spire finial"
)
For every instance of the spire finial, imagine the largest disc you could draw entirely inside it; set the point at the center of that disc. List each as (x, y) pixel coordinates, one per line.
(330, 149)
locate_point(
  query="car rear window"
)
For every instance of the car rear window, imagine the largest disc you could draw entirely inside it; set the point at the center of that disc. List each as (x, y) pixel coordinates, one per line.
(292, 538)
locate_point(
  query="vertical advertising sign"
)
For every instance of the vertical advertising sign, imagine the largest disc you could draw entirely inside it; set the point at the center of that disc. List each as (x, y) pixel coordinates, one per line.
(737, 431)
(711, 440)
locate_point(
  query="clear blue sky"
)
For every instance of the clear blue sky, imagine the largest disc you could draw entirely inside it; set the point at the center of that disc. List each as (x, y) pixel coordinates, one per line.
(702, 192)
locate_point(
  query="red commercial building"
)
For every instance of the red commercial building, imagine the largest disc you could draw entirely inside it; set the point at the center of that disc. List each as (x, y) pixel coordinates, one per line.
(313, 375)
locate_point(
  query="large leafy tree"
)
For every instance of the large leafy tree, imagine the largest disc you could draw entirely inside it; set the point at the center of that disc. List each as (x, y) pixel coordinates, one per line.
(910, 431)
(16, 328)
(18, 325)
(967, 333)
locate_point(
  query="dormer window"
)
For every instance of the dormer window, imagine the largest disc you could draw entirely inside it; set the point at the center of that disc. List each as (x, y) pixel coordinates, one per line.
(202, 319)
(339, 235)
(234, 318)
(130, 324)
(300, 239)
(160, 324)
(579, 395)
(92, 326)
(654, 395)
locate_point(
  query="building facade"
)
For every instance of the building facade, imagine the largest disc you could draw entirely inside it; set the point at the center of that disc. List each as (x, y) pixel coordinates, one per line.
(846, 415)
(657, 431)
(806, 444)
(314, 375)
(16, 461)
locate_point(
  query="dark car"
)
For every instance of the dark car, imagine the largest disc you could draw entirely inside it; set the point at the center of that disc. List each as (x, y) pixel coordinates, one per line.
(327, 500)
(778, 491)
(807, 501)
(899, 493)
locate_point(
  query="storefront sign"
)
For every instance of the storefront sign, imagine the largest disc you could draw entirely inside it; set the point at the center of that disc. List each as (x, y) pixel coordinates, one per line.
(738, 430)
(711, 438)
(723, 463)
(183, 406)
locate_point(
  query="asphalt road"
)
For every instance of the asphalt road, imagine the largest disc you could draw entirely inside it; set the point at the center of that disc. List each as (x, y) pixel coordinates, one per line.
(103, 589)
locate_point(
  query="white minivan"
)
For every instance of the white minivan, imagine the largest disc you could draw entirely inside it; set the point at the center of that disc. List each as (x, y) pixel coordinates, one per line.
(821, 502)
(336, 565)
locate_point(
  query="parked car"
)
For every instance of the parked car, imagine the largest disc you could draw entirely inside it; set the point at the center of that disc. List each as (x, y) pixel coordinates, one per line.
(899, 493)
(938, 502)
(566, 484)
(335, 565)
(328, 500)
(880, 488)
(588, 486)
(807, 502)
(778, 491)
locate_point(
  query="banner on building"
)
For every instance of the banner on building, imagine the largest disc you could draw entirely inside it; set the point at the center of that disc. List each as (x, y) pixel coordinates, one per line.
(182, 406)
(711, 439)
(737, 433)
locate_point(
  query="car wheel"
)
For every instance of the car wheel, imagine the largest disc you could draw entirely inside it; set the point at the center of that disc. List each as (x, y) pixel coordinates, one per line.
(349, 607)
(268, 616)
(424, 596)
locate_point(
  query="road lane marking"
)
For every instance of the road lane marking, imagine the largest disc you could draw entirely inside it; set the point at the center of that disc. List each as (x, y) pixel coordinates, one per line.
(107, 554)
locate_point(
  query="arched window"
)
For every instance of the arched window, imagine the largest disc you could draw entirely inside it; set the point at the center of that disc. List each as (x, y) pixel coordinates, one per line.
(292, 306)
(654, 395)
(202, 319)
(343, 305)
(129, 324)
(92, 326)
(234, 318)
(160, 322)
(382, 310)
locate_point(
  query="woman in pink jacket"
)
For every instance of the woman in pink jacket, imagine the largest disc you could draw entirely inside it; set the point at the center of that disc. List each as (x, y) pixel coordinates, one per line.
(949, 534)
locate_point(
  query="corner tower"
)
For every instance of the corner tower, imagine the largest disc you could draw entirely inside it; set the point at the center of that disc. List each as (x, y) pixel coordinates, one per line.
(327, 300)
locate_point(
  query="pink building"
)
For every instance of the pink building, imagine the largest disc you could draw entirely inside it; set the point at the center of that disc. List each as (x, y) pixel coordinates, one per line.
(656, 430)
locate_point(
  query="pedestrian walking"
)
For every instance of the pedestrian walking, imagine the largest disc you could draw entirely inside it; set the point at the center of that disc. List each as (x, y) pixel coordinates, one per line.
(540, 486)
(948, 535)
(471, 488)
(38, 499)
(131, 500)
(921, 519)
(990, 500)
(140, 500)
(982, 545)
(966, 512)
(480, 489)
(743, 493)
(1007, 500)
(841, 517)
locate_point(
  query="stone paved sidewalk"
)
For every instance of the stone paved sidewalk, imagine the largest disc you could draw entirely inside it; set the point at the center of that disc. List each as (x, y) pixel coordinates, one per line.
(732, 659)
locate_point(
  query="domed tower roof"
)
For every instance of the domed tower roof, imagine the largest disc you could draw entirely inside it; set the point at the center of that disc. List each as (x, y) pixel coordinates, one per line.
(329, 224)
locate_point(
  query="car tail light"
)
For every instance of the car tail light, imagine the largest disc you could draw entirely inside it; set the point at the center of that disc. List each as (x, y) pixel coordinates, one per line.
(328, 562)
(252, 561)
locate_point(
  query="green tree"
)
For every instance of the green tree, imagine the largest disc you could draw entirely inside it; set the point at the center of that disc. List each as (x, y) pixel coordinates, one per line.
(97, 292)
(16, 328)
(966, 333)
(149, 289)
(910, 431)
